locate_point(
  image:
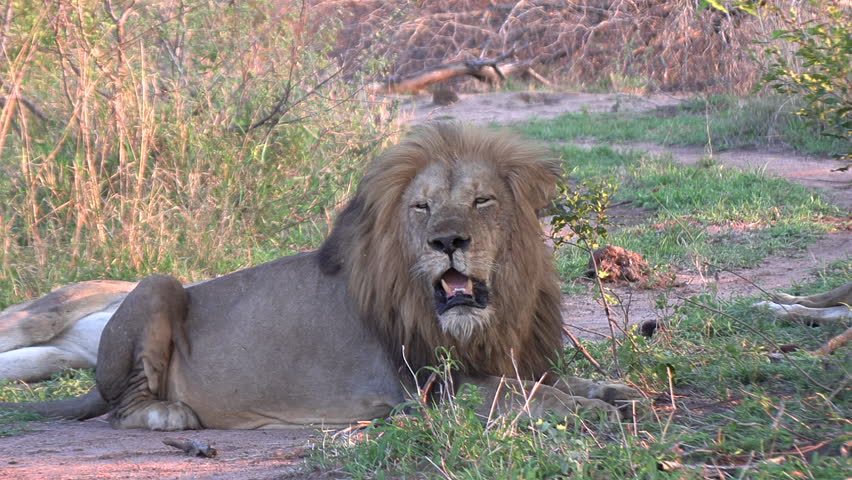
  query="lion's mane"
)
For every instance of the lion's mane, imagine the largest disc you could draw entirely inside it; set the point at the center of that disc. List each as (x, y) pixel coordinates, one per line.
(369, 246)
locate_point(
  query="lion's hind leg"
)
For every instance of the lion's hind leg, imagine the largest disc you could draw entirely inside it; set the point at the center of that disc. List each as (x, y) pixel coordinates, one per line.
(841, 295)
(134, 356)
(32, 364)
(43, 319)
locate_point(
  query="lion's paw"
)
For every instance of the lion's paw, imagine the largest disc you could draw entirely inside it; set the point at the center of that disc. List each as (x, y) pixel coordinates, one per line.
(783, 298)
(596, 406)
(628, 400)
(614, 392)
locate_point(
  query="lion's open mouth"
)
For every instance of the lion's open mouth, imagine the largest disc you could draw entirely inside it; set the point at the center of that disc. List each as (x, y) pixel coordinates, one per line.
(455, 289)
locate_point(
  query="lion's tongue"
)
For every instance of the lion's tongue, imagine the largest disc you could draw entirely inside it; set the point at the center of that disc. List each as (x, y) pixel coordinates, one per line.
(455, 283)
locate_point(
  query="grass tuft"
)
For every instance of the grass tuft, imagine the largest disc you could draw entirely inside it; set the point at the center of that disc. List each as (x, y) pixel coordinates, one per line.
(723, 122)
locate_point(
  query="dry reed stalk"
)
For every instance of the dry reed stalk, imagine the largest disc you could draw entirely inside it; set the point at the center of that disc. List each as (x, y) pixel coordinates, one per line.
(139, 144)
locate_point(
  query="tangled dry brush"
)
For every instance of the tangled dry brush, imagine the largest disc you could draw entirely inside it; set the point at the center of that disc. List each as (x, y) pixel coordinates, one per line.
(660, 45)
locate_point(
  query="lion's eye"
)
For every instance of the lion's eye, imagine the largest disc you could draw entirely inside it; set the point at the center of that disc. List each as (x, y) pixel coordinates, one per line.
(421, 206)
(482, 201)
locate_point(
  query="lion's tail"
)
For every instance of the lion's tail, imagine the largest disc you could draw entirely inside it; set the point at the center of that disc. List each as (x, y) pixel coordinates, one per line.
(83, 407)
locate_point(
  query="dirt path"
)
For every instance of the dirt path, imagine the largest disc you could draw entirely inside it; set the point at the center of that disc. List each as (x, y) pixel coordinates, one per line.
(77, 450)
(93, 449)
(509, 107)
(774, 273)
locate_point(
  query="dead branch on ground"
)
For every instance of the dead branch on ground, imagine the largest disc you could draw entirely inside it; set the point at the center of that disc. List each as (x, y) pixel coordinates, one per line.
(485, 70)
(195, 448)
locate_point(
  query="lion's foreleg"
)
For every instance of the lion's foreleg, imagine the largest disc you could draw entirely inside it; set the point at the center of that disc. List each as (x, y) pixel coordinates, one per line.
(798, 312)
(841, 295)
(506, 395)
(617, 394)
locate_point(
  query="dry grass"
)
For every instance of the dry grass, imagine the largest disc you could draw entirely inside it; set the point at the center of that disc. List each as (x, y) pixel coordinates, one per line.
(182, 137)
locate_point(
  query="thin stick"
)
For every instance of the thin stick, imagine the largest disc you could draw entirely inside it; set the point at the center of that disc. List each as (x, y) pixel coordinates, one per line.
(607, 310)
(593, 332)
(585, 352)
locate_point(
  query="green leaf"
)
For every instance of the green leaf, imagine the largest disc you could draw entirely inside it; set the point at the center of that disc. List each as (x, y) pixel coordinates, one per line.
(712, 3)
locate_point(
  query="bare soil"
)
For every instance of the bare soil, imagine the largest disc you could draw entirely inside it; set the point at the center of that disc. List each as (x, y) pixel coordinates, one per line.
(78, 450)
(93, 449)
(509, 107)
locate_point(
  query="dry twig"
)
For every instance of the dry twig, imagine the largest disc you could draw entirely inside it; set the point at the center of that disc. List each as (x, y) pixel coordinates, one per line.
(193, 447)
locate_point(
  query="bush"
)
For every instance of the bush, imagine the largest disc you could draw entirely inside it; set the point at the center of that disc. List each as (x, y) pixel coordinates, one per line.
(820, 70)
(184, 137)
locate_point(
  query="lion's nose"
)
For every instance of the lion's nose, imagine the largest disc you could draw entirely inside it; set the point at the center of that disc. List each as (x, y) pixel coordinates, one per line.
(449, 243)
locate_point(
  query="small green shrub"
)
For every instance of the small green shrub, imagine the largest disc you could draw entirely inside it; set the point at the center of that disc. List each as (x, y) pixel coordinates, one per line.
(820, 71)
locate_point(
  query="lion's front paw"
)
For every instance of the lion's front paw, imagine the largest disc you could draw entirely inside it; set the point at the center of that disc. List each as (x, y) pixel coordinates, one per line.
(628, 400)
(596, 407)
(614, 393)
(783, 298)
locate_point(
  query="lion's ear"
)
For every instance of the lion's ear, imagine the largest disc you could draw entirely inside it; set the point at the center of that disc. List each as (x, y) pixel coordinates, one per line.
(534, 182)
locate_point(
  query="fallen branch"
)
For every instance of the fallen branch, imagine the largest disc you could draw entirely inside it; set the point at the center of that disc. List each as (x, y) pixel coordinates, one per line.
(195, 448)
(484, 70)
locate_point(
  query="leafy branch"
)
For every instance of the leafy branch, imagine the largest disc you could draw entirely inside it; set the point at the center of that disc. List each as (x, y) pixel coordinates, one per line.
(581, 213)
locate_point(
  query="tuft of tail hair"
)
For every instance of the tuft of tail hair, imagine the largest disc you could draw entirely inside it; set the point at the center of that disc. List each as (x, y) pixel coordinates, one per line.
(86, 406)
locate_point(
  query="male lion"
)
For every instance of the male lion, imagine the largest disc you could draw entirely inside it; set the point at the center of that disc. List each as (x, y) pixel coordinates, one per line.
(440, 246)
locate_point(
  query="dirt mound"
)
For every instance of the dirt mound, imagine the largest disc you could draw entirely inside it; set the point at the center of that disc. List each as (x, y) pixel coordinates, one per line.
(616, 264)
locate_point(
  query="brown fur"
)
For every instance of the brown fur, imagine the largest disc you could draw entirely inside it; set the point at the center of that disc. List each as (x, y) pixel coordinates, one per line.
(529, 323)
(321, 337)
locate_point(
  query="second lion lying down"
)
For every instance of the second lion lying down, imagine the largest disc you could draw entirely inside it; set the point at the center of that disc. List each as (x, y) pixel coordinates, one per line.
(440, 246)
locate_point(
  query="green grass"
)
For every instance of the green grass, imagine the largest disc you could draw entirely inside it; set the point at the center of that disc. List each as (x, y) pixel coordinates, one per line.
(723, 121)
(739, 407)
(70, 383)
(697, 214)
